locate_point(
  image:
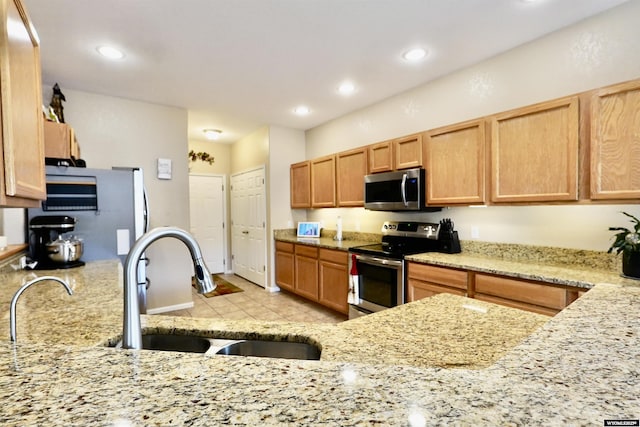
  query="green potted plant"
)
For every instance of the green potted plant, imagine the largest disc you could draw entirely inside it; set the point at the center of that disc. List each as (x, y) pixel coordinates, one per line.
(628, 242)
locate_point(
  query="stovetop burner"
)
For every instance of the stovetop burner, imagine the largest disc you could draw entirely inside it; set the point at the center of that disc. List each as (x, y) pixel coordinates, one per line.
(408, 238)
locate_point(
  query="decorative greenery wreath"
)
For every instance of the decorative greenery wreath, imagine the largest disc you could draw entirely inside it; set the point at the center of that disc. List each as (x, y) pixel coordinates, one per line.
(205, 157)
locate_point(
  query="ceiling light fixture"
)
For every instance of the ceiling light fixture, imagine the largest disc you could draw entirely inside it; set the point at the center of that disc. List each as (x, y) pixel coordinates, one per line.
(415, 54)
(301, 110)
(212, 134)
(110, 52)
(346, 88)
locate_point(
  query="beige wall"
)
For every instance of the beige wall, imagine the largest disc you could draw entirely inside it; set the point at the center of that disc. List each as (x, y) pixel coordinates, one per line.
(593, 53)
(251, 151)
(220, 152)
(119, 132)
(286, 146)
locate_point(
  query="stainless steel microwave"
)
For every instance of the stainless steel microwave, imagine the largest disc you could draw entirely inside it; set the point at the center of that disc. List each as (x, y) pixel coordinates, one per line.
(396, 191)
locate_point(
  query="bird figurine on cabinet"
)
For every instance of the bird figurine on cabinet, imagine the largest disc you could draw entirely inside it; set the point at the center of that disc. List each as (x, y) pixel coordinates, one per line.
(56, 102)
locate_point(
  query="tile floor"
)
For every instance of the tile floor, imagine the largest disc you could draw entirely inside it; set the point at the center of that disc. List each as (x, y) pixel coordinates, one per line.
(256, 303)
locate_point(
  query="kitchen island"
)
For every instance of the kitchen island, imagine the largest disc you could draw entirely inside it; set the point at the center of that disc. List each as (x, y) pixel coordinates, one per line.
(577, 368)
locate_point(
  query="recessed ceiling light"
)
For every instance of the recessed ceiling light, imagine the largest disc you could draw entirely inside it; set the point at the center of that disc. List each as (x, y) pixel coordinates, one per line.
(346, 88)
(301, 110)
(110, 52)
(415, 54)
(212, 134)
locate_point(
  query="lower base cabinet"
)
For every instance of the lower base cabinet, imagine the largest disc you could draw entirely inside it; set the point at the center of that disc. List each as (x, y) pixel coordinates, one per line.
(538, 297)
(317, 274)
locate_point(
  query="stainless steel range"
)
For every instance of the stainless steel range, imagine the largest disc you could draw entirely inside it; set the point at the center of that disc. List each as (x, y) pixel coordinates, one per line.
(377, 271)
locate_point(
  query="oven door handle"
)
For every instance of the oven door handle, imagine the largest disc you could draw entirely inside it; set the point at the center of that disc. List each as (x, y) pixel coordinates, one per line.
(378, 261)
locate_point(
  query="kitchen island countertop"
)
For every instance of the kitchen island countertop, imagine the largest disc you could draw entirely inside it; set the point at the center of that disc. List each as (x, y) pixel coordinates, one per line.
(578, 368)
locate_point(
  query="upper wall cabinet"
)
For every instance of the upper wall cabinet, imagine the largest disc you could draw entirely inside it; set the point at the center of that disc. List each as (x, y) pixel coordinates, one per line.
(534, 153)
(351, 168)
(323, 182)
(300, 180)
(22, 182)
(455, 162)
(381, 157)
(408, 151)
(615, 142)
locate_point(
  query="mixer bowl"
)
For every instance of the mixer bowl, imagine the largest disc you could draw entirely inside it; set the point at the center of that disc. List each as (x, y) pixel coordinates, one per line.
(65, 250)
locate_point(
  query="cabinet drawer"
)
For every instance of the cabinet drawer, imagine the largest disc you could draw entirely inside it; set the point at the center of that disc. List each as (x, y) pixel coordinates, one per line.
(516, 304)
(338, 257)
(308, 251)
(284, 246)
(522, 291)
(418, 289)
(440, 275)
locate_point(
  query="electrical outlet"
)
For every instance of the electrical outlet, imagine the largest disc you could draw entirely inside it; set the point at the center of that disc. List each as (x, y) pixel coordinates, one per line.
(475, 232)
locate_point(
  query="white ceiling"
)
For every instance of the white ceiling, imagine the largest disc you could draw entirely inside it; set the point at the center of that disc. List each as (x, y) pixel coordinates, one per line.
(237, 65)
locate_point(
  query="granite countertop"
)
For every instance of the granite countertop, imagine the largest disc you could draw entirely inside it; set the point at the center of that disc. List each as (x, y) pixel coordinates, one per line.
(577, 368)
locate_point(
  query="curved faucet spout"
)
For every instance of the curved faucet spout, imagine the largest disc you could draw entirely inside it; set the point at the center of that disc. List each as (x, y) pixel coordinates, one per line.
(14, 300)
(131, 327)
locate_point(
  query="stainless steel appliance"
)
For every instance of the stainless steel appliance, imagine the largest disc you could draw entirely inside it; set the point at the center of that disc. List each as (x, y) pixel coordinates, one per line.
(110, 207)
(396, 191)
(378, 270)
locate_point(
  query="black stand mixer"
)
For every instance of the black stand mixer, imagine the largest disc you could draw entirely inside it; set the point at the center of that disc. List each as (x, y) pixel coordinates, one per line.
(48, 248)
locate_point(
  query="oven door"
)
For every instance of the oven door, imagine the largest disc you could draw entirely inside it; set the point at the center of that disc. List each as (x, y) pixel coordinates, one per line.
(380, 282)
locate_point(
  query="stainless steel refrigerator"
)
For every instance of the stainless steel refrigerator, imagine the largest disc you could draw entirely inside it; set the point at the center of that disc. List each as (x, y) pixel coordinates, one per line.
(109, 205)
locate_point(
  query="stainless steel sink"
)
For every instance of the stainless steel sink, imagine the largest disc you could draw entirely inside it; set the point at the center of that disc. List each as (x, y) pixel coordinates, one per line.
(229, 347)
(279, 349)
(169, 342)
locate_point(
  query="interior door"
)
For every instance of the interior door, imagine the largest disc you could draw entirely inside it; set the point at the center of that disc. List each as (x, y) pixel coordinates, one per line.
(248, 225)
(207, 215)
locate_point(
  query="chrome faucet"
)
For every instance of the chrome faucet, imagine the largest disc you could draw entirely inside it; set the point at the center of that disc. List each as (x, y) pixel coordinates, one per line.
(14, 300)
(131, 327)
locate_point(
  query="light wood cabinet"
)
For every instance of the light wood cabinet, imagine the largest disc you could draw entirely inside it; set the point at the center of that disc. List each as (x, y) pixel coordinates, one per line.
(527, 295)
(285, 265)
(455, 162)
(615, 142)
(381, 157)
(60, 141)
(408, 151)
(300, 183)
(318, 274)
(323, 182)
(427, 280)
(22, 176)
(534, 153)
(351, 168)
(306, 271)
(334, 279)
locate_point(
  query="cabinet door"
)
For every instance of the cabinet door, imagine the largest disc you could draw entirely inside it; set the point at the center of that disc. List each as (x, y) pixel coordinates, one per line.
(408, 151)
(23, 183)
(306, 272)
(455, 159)
(300, 175)
(285, 267)
(334, 280)
(381, 157)
(534, 153)
(615, 142)
(351, 168)
(323, 182)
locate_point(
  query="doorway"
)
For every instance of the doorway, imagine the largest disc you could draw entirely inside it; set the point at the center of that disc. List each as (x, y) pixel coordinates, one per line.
(249, 225)
(207, 213)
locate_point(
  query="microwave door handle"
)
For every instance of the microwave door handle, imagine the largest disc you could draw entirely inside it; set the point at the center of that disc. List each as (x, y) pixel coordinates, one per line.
(403, 189)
